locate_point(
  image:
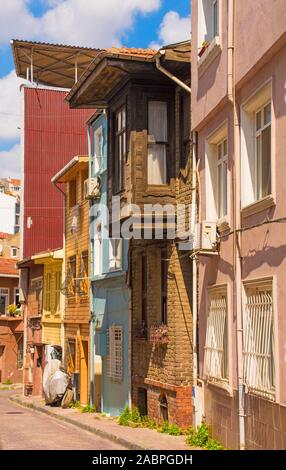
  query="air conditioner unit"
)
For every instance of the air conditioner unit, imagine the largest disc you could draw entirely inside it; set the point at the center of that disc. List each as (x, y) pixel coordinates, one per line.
(208, 236)
(92, 188)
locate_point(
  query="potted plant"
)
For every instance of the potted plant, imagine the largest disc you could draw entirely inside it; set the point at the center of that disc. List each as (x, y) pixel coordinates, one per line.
(12, 310)
(203, 48)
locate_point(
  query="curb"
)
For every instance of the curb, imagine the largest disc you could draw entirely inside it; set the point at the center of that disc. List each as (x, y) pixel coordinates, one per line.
(104, 434)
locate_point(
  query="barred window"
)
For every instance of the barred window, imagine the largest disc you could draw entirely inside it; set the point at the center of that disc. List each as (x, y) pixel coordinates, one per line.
(115, 353)
(216, 347)
(258, 340)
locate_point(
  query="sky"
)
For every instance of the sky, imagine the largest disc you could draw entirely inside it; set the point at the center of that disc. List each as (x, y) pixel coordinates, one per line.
(93, 23)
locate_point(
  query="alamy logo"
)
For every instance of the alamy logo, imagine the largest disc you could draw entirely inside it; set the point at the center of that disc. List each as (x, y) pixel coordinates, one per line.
(155, 221)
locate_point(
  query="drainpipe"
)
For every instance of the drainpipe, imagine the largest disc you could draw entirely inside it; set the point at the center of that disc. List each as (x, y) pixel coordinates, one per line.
(236, 220)
(63, 271)
(197, 398)
(92, 316)
(194, 261)
(169, 74)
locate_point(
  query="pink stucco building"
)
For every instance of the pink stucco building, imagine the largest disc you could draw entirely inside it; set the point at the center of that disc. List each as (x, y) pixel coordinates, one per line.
(239, 119)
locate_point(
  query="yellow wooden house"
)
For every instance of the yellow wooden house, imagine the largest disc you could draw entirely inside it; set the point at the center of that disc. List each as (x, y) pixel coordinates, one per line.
(53, 299)
(76, 286)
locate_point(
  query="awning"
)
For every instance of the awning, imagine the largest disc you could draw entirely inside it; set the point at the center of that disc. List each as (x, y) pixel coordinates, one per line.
(54, 65)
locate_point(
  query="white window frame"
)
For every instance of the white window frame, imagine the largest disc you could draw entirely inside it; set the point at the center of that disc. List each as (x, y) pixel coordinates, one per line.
(98, 144)
(16, 290)
(261, 97)
(115, 353)
(215, 138)
(115, 262)
(259, 347)
(5, 292)
(222, 192)
(258, 133)
(98, 248)
(216, 359)
(153, 143)
(207, 29)
(14, 248)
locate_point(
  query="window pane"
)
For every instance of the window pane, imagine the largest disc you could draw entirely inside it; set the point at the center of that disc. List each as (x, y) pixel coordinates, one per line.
(124, 144)
(123, 123)
(225, 148)
(120, 147)
(119, 121)
(219, 191)
(215, 18)
(219, 151)
(266, 162)
(157, 120)
(258, 120)
(267, 114)
(157, 164)
(258, 166)
(224, 201)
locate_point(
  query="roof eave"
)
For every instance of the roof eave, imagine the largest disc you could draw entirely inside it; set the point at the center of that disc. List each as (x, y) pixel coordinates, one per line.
(58, 178)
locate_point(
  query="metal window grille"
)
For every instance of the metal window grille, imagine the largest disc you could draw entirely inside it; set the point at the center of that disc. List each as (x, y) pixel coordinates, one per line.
(216, 350)
(115, 353)
(258, 342)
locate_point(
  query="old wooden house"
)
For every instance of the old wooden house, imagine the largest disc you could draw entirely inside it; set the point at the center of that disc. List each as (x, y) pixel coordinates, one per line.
(148, 147)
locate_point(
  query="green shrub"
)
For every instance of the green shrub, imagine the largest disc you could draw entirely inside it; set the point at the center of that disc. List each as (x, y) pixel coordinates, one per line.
(124, 418)
(8, 382)
(135, 416)
(88, 409)
(148, 423)
(200, 437)
(75, 404)
(171, 429)
(212, 444)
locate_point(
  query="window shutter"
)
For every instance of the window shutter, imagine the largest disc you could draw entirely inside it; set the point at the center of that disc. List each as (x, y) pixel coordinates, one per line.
(115, 353)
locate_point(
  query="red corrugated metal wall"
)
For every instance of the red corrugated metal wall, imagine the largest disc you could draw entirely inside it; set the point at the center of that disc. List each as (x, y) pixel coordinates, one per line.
(53, 135)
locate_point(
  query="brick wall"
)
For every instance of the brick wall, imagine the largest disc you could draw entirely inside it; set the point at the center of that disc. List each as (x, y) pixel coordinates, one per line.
(163, 369)
(165, 372)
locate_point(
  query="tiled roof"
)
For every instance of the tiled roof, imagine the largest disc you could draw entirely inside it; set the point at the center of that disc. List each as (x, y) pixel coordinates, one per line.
(15, 182)
(4, 235)
(133, 51)
(8, 266)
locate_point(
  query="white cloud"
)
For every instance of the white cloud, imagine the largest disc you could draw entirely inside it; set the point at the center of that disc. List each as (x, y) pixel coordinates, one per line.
(92, 23)
(10, 106)
(16, 20)
(173, 28)
(10, 162)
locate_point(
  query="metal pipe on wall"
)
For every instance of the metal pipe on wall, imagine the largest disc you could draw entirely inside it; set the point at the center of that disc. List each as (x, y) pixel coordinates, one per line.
(237, 293)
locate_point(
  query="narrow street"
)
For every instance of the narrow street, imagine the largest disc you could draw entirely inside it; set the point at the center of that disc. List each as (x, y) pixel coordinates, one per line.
(24, 429)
